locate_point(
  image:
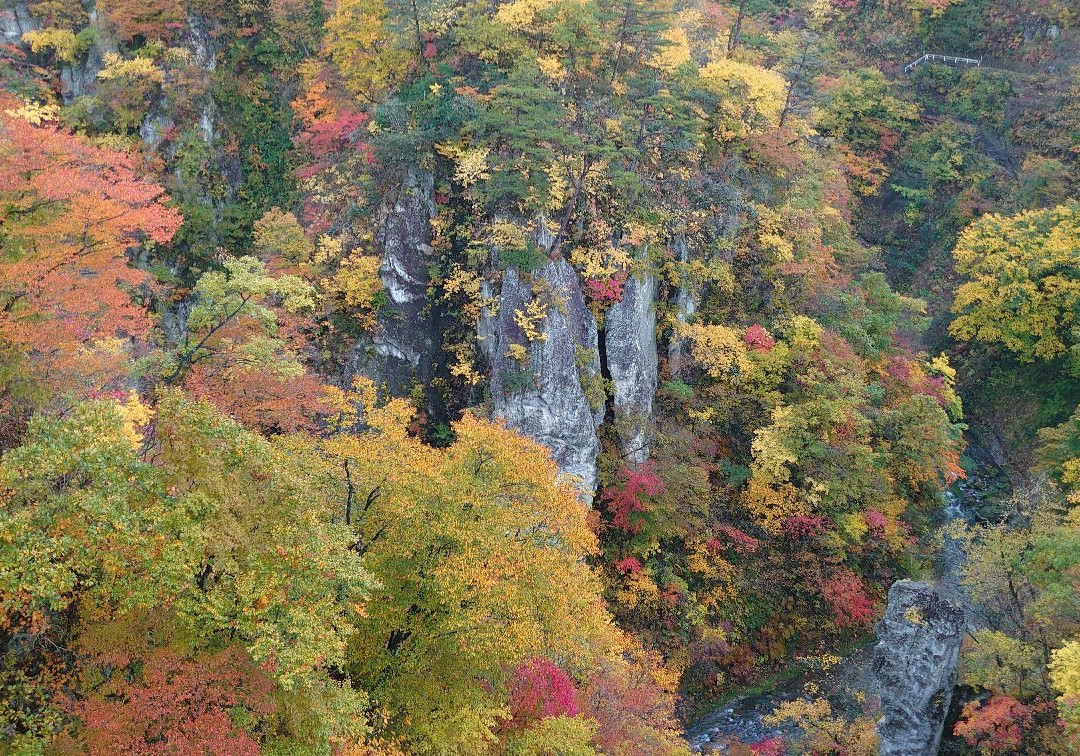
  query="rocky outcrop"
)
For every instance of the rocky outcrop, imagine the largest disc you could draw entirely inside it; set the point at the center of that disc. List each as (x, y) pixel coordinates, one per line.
(686, 298)
(542, 396)
(15, 22)
(915, 668)
(630, 349)
(80, 79)
(401, 352)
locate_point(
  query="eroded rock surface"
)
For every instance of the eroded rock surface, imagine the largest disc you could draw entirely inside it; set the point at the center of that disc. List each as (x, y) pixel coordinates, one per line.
(402, 350)
(15, 22)
(915, 668)
(630, 346)
(543, 395)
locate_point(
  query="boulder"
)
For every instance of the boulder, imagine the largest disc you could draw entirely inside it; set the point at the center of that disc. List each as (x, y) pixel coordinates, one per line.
(915, 668)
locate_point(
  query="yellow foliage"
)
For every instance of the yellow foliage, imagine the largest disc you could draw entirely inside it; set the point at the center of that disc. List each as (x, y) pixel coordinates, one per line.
(36, 113)
(470, 164)
(328, 249)
(466, 283)
(117, 68)
(824, 730)
(718, 349)
(1065, 669)
(675, 52)
(771, 505)
(358, 39)
(531, 320)
(600, 262)
(550, 67)
(505, 235)
(854, 527)
(135, 415)
(518, 352)
(523, 15)
(752, 95)
(559, 188)
(357, 283)
(638, 590)
(1023, 290)
(278, 232)
(464, 365)
(63, 42)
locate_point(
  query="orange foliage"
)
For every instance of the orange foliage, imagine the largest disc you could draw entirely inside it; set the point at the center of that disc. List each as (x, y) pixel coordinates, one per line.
(150, 19)
(70, 211)
(267, 403)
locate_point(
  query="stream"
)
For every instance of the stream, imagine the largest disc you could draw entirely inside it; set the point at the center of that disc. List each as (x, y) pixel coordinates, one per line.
(740, 719)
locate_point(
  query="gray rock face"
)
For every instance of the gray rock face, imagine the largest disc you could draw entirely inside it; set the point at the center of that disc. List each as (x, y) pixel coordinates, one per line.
(402, 349)
(81, 79)
(630, 346)
(15, 22)
(405, 238)
(915, 667)
(543, 398)
(685, 306)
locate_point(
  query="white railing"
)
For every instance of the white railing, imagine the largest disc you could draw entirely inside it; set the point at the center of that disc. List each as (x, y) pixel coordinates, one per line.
(946, 59)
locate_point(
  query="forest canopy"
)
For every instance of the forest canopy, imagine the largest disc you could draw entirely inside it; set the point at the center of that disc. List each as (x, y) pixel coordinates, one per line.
(532, 376)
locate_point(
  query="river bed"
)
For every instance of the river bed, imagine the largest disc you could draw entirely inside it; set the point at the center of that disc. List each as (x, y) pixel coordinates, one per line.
(741, 719)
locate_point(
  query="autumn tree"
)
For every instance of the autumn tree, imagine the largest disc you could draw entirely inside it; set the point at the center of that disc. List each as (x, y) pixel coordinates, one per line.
(236, 351)
(1021, 574)
(216, 542)
(1023, 288)
(474, 545)
(359, 39)
(71, 212)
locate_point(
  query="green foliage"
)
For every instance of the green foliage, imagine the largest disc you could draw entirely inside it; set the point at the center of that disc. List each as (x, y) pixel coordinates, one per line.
(527, 259)
(596, 387)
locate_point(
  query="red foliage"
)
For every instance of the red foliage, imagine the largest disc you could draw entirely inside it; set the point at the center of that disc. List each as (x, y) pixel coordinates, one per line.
(996, 726)
(624, 502)
(758, 338)
(742, 543)
(847, 597)
(178, 706)
(540, 689)
(335, 134)
(606, 290)
(769, 747)
(628, 565)
(629, 703)
(804, 526)
(876, 521)
(261, 402)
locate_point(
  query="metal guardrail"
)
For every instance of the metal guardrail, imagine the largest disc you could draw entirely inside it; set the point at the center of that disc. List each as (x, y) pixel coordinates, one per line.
(946, 59)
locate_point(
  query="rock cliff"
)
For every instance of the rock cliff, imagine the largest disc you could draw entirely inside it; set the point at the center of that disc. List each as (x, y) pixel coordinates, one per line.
(630, 349)
(542, 395)
(402, 350)
(915, 668)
